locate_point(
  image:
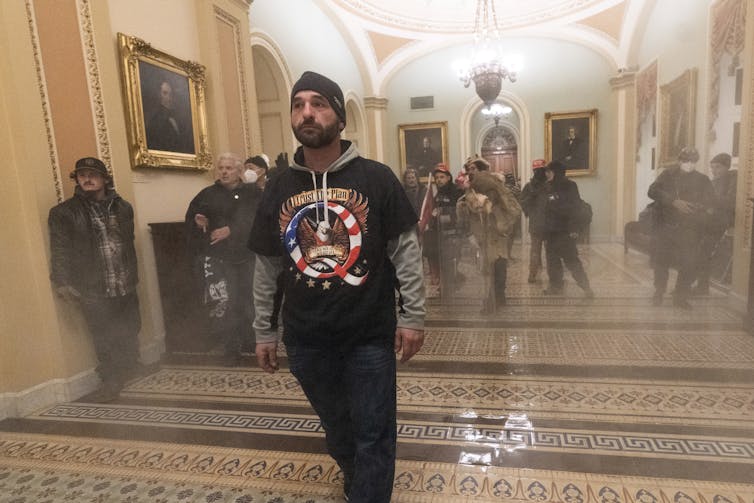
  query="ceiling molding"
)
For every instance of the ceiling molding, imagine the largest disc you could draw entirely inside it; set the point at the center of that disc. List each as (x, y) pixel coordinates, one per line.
(386, 45)
(609, 21)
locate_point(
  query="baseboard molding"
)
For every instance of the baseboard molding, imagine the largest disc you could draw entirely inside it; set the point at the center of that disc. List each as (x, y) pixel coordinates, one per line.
(47, 393)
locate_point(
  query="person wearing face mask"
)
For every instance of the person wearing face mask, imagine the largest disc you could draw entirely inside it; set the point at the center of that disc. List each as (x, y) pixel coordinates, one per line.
(256, 170)
(685, 200)
(533, 202)
(218, 222)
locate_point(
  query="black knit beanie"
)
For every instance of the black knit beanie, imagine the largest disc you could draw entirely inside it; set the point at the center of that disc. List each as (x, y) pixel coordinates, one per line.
(311, 81)
(722, 158)
(258, 160)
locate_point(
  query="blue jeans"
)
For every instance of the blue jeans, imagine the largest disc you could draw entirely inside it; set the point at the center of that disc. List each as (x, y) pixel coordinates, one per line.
(354, 394)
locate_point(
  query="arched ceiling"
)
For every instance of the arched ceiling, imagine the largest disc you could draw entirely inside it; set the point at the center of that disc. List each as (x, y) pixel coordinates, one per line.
(457, 16)
(386, 35)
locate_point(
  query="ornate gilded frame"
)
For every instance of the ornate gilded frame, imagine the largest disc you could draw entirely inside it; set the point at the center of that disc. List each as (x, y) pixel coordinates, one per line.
(410, 138)
(145, 70)
(677, 116)
(557, 125)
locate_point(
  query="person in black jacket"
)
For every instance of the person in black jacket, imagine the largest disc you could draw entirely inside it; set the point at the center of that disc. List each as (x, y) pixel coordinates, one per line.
(93, 263)
(562, 230)
(533, 202)
(439, 242)
(685, 203)
(219, 221)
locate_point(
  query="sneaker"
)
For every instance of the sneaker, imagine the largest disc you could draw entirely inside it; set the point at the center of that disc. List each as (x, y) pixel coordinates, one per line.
(552, 291)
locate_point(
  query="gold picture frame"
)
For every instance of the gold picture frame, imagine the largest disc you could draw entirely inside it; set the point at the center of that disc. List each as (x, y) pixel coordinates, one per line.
(411, 139)
(571, 138)
(165, 105)
(677, 116)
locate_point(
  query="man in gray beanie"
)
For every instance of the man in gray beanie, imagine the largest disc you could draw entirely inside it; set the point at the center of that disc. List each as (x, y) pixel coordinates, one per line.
(342, 231)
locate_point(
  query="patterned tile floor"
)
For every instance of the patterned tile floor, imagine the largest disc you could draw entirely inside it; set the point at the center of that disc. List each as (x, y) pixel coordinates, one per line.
(554, 399)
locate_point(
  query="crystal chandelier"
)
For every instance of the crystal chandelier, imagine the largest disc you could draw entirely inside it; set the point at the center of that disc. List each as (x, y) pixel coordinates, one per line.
(486, 67)
(497, 111)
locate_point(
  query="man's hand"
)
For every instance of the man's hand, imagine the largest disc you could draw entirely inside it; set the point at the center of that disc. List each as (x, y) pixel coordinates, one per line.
(684, 207)
(408, 342)
(219, 234)
(201, 221)
(267, 356)
(574, 235)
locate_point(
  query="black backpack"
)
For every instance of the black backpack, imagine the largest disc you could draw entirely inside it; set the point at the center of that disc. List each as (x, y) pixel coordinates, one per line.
(583, 214)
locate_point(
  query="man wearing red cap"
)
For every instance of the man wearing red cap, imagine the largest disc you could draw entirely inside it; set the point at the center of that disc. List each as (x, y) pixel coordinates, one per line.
(93, 263)
(533, 202)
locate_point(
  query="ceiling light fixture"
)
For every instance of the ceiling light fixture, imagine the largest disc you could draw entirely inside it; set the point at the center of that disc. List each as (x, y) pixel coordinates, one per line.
(486, 67)
(497, 111)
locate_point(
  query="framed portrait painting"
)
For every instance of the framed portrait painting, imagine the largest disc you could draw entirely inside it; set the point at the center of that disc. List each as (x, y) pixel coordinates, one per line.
(677, 116)
(571, 138)
(165, 106)
(422, 146)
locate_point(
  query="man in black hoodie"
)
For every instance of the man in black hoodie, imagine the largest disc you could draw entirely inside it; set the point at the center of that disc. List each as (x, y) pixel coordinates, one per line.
(342, 230)
(562, 229)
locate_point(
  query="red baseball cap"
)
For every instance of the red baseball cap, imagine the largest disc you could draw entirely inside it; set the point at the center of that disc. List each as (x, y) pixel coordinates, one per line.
(538, 163)
(442, 168)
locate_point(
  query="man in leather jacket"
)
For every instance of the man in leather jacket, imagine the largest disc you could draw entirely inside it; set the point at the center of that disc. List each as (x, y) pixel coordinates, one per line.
(93, 264)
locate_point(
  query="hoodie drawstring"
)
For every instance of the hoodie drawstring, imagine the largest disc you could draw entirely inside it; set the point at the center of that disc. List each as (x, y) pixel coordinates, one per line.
(324, 198)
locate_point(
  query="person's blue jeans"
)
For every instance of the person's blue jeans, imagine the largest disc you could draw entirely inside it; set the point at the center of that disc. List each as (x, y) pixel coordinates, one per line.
(354, 394)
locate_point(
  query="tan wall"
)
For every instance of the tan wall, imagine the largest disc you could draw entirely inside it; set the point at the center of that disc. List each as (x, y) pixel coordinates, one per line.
(35, 346)
(44, 340)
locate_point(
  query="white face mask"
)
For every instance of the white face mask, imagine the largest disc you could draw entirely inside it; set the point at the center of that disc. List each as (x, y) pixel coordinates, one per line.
(249, 176)
(687, 167)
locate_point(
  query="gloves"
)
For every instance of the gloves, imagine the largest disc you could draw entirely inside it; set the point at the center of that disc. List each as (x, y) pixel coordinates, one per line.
(282, 160)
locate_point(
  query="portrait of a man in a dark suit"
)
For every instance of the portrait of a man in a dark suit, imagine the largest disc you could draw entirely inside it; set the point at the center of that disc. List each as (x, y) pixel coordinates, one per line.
(570, 143)
(167, 110)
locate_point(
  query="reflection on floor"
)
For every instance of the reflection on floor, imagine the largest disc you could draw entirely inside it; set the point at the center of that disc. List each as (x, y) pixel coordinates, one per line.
(556, 399)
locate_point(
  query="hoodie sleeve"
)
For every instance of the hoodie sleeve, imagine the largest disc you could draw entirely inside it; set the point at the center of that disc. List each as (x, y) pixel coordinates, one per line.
(406, 257)
(266, 271)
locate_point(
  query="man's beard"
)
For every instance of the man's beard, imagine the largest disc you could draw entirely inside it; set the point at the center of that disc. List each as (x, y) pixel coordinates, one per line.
(318, 136)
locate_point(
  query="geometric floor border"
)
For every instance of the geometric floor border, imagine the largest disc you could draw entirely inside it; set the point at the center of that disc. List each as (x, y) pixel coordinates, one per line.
(513, 432)
(36, 468)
